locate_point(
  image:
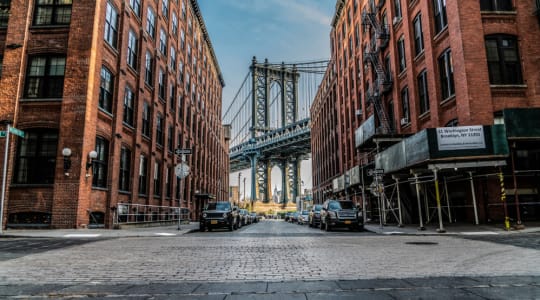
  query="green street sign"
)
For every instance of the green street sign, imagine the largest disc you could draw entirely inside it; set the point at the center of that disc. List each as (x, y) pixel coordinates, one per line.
(16, 131)
(2, 133)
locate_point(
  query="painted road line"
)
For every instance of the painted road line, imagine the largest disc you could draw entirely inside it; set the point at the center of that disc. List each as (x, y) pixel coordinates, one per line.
(82, 235)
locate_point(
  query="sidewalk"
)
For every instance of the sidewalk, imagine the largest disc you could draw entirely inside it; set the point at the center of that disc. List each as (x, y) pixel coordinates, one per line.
(451, 229)
(170, 230)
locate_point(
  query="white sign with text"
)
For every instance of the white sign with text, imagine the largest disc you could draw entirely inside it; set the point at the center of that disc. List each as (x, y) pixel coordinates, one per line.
(461, 138)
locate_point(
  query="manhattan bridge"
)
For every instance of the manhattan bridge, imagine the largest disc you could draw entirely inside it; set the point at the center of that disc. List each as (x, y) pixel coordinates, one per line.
(270, 124)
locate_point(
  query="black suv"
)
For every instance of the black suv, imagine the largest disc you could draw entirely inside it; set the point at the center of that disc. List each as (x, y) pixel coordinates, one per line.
(218, 215)
(341, 213)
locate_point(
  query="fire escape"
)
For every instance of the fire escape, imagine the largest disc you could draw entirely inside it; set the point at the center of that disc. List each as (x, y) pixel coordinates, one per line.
(372, 54)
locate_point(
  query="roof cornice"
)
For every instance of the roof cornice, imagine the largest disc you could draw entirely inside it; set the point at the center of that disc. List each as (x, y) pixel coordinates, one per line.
(196, 9)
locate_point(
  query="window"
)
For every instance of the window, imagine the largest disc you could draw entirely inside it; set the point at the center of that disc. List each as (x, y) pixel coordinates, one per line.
(146, 119)
(172, 63)
(439, 12)
(503, 59)
(100, 163)
(168, 186)
(172, 96)
(52, 12)
(111, 26)
(5, 6)
(418, 35)
(159, 130)
(496, 5)
(446, 71)
(35, 162)
(174, 24)
(170, 134)
(106, 89)
(136, 6)
(405, 108)
(165, 8)
(125, 169)
(162, 86)
(180, 71)
(397, 9)
(182, 39)
(45, 77)
(129, 100)
(401, 54)
(143, 173)
(157, 179)
(163, 42)
(149, 69)
(132, 50)
(183, 11)
(151, 23)
(423, 96)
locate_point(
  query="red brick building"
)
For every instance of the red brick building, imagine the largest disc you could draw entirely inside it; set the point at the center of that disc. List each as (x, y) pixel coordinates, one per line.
(105, 91)
(402, 67)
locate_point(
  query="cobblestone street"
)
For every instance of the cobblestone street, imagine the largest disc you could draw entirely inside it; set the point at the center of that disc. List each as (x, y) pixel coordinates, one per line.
(270, 252)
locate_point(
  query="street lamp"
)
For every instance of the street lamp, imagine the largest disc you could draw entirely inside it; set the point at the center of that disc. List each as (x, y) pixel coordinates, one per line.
(66, 153)
(92, 155)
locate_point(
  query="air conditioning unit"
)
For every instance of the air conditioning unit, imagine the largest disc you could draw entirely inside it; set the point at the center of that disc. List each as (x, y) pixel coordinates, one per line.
(396, 20)
(404, 121)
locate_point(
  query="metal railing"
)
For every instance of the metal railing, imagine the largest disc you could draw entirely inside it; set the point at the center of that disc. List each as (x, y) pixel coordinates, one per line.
(129, 213)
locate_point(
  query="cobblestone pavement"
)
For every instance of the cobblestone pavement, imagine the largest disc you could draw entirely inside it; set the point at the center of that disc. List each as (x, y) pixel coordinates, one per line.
(260, 256)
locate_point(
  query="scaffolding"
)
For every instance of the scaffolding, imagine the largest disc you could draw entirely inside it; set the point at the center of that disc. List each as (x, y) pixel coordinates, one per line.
(129, 213)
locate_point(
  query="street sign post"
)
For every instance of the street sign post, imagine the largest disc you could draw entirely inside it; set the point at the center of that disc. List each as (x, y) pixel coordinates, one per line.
(16, 131)
(179, 151)
(181, 171)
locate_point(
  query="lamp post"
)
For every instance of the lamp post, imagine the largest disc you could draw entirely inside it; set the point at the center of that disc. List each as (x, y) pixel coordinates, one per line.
(239, 176)
(4, 175)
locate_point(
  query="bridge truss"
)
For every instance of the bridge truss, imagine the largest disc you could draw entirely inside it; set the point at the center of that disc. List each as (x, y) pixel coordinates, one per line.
(270, 125)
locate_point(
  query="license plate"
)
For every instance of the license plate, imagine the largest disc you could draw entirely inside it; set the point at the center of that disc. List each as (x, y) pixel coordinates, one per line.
(213, 222)
(348, 222)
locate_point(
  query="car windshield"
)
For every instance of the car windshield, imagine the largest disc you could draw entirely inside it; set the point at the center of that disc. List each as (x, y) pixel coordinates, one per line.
(347, 204)
(219, 206)
(305, 212)
(317, 207)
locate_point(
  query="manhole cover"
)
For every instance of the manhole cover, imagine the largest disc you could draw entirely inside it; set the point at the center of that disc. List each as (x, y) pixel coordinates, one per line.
(421, 243)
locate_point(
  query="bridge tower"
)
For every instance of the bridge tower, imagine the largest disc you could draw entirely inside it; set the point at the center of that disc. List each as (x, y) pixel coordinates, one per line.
(263, 77)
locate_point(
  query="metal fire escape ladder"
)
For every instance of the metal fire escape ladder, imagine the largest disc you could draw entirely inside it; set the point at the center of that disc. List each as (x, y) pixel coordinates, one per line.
(382, 83)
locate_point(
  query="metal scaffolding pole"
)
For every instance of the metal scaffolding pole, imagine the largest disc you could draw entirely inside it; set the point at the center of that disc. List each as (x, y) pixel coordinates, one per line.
(399, 202)
(419, 202)
(473, 198)
(447, 201)
(438, 198)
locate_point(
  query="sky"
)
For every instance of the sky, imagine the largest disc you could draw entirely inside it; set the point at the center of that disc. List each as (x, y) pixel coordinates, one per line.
(280, 30)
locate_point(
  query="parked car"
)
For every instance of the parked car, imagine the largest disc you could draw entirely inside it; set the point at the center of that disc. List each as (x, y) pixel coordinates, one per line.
(303, 217)
(254, 217)
(344, 213)
(244, 217)
(293, 218)
(218, 215)
(315, 215)
(287, 216)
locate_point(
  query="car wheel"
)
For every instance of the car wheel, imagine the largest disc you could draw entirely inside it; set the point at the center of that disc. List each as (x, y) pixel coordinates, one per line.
(202, 229)
(327, 226)
(231, 227)
(209, 229)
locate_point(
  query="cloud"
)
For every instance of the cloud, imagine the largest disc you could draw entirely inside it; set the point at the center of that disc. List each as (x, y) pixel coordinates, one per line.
(301, 11)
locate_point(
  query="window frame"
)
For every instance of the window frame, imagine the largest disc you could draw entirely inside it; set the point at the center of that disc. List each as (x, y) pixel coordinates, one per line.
(145, 123)
(496, 5)
(100, 163)
(132, 49)
(111, 25)
(39, 166)
(45, 81)
(423, 92)
(106, 89)
(501, 65)
(124, 176)
(55, 8)
(143, 175)
(418, 35)
(446, 72)
(439, 15)
(129, 101)
(151, 22)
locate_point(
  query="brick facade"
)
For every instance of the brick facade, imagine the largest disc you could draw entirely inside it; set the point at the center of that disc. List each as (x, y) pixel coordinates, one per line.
(477, 99)
(193, 112)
